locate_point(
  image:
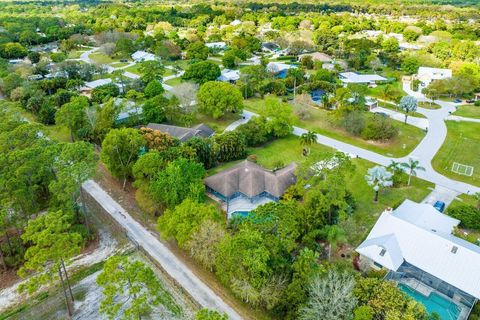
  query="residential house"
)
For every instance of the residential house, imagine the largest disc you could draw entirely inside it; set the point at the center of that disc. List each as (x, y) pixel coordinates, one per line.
(247, 185)
(228, 75)
(216, 45)
(426, 75)
(270, 47)
(140, 56)
(415, 244)
(128, 110)
(182, 133)
(87, 88)
(316, 56)
(279, 69)
(353, 77)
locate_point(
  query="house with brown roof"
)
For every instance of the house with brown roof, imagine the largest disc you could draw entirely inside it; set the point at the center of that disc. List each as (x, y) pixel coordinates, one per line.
(316, 56)
(247, 185)
(182, 133)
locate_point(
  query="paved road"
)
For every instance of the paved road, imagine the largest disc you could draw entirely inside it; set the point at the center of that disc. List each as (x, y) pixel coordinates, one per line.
(199, 291)
(421, 123)
(458, 118)
(424, 152)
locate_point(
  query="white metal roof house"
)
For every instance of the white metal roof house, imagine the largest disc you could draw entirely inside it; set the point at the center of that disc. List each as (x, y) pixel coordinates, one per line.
(426, 75)
(140, 56)
(415, 243)
(278, 68)
(228, 75)
(221, 45)
(97, 83)
(353, 77)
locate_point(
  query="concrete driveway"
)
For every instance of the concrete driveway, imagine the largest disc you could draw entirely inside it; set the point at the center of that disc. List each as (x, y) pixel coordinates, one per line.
(441, 194)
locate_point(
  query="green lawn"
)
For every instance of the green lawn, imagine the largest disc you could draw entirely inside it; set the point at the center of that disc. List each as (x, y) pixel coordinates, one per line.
(217, 124)
(119, 64)
(174, 82)
(55, 131)
(390, 106)
(183, 64)
(134, 69)
(409, 136)
(367, 211)
(463, 146)
(428, 105)
(101, 58)
(75, 54)
(377, 91)
(169, 72)
(468, 111)
(288, 149)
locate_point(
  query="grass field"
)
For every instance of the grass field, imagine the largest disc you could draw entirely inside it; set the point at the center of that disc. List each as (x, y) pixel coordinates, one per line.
(133, 69)
(468, 111)
(75, 54)
(409, 136)
(217, 124)
(174, 82)
(119, 64)
(288, 150)
(463, 146)
(55, 131)
(101, 58)
(428, 105)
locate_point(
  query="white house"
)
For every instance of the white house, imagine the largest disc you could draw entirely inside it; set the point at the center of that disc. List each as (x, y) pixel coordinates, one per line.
(140, 56)
(415, 243)
(426, 75)
(216, 45)
(228, 75)
(278, 67)
(353, 77)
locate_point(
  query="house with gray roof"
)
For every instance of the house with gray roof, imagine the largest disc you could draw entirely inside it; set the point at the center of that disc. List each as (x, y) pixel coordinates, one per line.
(247, 185)
(182, 133)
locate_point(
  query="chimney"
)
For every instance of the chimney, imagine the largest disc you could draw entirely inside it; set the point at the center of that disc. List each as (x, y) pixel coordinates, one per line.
(389, 210)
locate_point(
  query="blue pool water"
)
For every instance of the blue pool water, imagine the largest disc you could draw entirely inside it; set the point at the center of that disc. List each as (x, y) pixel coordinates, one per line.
(446, 309)
(240, 213)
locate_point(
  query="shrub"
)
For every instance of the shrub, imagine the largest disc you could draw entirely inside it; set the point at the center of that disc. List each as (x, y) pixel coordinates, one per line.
(255, 131)
(379, 129)
(477, 103)
(230, 146)
(468, 215)
(354, 123)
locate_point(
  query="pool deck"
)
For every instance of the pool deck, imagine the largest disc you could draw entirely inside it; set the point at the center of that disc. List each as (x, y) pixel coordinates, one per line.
(245, 205)
(426, 291)
(240, 204)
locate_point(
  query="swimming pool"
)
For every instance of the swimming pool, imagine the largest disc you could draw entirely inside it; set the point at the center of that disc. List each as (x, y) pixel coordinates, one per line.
(242, 214)
(446, 309)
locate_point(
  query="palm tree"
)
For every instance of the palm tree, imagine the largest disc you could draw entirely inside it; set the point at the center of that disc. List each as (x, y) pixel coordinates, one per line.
(334, 236)
(408, 104)
(412, 166)
(378, 177)
(306, 140)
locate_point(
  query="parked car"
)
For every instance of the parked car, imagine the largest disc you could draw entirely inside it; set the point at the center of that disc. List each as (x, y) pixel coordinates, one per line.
(470, 101)
(457, 101)
(439, 205)
(123, 60)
